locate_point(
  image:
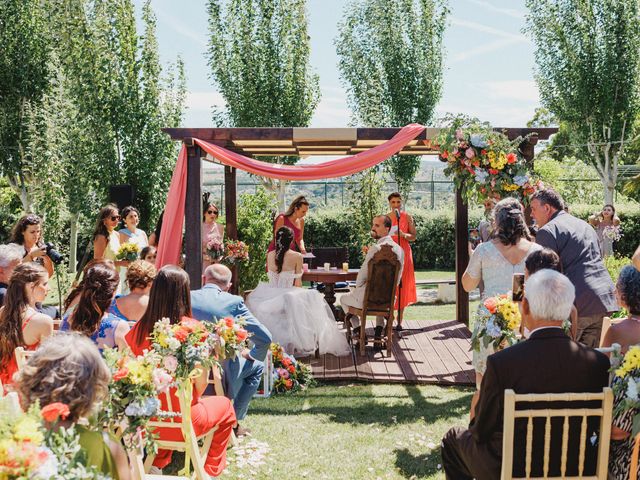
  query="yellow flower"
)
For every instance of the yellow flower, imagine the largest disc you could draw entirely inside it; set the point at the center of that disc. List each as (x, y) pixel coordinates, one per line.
(6, 447)
(28, 428)
(139, 373)
(510, 187)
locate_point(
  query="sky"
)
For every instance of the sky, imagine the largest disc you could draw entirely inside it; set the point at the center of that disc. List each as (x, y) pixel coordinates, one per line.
(488, 60)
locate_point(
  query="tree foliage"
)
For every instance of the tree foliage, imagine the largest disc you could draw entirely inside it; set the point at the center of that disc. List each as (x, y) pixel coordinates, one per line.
(588, 58)
(391, 62)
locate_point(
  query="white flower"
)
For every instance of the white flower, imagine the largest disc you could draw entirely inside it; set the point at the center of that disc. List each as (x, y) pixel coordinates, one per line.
(49, 469)
(632, 389)
(493, 330)
(174, 344)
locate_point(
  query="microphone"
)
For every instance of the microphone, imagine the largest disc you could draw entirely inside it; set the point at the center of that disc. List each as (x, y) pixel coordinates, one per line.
(397, 213)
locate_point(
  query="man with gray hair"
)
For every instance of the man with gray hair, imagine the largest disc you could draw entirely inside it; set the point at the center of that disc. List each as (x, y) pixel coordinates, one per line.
(548, 362)
(243, 374)
(10, 258)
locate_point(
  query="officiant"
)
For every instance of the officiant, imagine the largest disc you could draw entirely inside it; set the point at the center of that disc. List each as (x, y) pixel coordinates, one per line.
(294, 219)
(403, 232)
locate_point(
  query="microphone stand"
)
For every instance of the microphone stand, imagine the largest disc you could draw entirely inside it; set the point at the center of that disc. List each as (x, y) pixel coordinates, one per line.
(400, 309)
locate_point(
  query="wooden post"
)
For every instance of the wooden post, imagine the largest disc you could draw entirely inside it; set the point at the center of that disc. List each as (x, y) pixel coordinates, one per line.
(231, 216)
(462, 258)
(193, 215)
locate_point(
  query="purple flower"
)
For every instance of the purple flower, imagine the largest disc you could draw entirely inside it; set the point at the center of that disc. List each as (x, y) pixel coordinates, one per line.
(481, 175)
(520, 180)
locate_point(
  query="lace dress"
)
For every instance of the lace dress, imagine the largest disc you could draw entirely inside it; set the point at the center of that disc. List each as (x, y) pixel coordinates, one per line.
(496, 272)
(105, 337)
(298, 318)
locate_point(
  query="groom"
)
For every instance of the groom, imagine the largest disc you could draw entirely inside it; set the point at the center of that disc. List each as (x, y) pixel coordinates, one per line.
(245, 371)
(380, 232)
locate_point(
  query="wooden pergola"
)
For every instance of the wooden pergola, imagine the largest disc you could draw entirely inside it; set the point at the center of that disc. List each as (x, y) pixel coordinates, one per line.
(256, 142)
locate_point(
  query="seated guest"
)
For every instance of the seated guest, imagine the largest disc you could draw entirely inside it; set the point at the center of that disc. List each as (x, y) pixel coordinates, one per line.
(547, 259)
(10, 258)
(68, 369)
(170, 298)
(626, 332)
(243, 373)
(380, 229)
(299, 319)
(131, 307)
(576, 242)
(148, 254)
(73, 297)
(90, 315)
(548, 362)
(21, 325)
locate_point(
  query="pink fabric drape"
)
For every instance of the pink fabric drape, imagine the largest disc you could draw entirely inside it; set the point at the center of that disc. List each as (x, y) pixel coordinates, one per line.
(340, 167)
(171, 237)
(170, 242)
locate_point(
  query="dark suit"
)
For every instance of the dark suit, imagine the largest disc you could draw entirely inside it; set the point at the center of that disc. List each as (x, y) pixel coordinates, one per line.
(243, 375)
(576, 242)
(548, 362)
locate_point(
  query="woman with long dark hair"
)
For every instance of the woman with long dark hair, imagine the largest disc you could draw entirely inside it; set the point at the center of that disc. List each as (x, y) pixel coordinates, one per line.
(106, 239)
(601, 221)
(21, 325)
(90, 315)
(27, 233)
(496, 261)
(294, 219)
(298, 318)
(211, 229)
(170, 298)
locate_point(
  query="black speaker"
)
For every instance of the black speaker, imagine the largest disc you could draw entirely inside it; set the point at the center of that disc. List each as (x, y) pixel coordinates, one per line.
(121, 195)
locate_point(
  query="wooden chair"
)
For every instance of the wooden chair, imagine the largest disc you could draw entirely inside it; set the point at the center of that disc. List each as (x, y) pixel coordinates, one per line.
(136, 464)
(633, 469)
(511, 414)
(606, 325)
(22, 356)
(379, 296)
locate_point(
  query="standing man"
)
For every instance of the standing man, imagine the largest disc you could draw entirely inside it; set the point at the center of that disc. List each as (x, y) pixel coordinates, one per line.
(244, 372)
(10, 258)
(380, 232)
(576, 242)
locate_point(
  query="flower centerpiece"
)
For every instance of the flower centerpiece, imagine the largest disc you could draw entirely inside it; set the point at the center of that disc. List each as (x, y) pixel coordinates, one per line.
(237, 252)
(499, 318)
(232, 337)
(214, 249)
(484, 163)
(289, 375)
(133, 394)
(626, 383)
(128, 251)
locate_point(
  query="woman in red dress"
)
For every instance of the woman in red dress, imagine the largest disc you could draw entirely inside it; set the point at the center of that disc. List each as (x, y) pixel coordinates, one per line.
(170, 298)
(294, 219)
(403, 235)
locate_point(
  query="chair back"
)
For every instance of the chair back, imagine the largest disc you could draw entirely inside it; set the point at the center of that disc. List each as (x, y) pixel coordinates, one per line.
(22, 356)
(604, 413)
(606, 325)
(382, 280)
(633, 469)
(336, 256)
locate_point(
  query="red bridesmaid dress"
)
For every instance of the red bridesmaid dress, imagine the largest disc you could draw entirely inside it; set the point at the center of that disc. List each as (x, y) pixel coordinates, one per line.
(408, 294)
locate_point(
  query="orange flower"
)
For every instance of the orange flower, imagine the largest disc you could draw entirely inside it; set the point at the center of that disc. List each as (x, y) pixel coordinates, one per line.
(291, 369)
(512, 158)
(491, 304)
(288, 383)
(53, 411)
(241, 335)
(444, 155)
(181, 334)
(493, 171)
(191, 324)
(228, 322)
(121, 373)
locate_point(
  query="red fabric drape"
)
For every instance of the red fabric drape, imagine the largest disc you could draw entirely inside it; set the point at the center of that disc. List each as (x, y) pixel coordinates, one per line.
(171, 237)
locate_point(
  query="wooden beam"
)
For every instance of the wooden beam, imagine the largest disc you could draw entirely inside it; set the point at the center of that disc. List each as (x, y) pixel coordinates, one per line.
(462, 258)
(231, 216)
(193, 217)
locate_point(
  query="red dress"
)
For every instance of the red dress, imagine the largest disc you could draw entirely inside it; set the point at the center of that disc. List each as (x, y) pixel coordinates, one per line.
(408, 294)
(10, 367)
(206, 413)
(297, 234)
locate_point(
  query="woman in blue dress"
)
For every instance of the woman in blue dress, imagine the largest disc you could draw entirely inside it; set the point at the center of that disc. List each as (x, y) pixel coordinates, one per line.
(131, 307)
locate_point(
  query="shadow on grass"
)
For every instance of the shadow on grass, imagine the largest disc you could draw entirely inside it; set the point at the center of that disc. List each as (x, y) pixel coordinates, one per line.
(417, 466)
(364, 409)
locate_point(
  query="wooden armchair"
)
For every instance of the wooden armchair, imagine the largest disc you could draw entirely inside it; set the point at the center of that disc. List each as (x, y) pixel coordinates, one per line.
(604, 412)
(379, 296)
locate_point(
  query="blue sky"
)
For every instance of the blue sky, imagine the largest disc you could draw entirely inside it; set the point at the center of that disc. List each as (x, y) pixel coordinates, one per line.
(488, 67)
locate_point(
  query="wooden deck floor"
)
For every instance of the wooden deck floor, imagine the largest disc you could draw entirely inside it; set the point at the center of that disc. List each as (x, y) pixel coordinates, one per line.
(428, 352)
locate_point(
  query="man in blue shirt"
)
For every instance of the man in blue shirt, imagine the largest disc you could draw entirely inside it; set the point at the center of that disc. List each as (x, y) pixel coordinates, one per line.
(243, 373)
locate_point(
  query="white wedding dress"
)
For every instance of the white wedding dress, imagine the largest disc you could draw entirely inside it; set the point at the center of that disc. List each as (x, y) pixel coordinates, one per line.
(299, 319)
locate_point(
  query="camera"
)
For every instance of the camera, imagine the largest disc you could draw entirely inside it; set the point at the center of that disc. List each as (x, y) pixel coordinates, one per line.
(55, 256)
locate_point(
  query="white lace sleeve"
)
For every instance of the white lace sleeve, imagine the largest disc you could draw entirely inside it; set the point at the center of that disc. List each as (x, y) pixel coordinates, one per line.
(474, 268)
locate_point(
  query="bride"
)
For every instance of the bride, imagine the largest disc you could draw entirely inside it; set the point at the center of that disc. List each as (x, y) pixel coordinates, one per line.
(298, 318)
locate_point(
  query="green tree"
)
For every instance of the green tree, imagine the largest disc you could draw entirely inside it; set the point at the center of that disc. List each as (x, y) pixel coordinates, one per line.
(259, 59)
(391, 62)
(588, 57)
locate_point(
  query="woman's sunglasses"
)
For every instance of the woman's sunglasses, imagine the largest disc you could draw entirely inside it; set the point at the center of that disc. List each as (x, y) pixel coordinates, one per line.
(115, 217)
(212, 212)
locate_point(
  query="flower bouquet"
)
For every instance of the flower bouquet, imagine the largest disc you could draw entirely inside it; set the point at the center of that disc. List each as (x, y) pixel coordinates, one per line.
(484, 163)
(498, 319)
(237, 252)
(626, 383)
(232, 337)
(214, 249)
(289, 375)
(612, 232)
(133, 394)
(28, 450)
(128, 251)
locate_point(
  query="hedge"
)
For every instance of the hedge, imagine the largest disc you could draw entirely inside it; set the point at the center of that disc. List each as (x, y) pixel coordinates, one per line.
(434, 247)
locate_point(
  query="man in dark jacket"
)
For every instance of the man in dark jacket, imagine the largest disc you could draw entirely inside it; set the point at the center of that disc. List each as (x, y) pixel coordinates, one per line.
(548, 362)
(576, 242)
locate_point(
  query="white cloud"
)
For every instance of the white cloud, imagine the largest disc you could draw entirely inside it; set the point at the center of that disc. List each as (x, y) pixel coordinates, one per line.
(181, 28)
(511, 12)
(332, 111)
(480, 27)
(485, 48)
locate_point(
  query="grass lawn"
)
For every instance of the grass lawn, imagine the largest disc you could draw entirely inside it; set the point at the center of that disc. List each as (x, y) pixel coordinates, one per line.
(435, 274)
(348, 431)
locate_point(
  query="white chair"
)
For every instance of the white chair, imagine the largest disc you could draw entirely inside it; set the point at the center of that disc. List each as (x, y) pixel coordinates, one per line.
(22, 356)
(511, 414)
